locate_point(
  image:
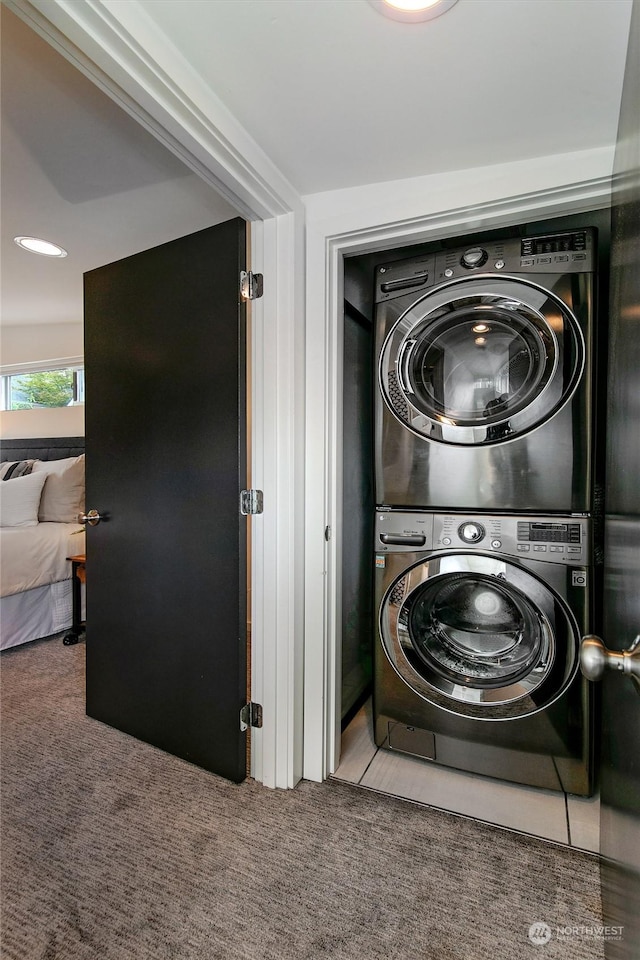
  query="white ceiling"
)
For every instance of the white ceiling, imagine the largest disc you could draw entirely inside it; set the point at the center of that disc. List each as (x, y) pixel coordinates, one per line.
(338, 95)
(77, 170)
(333, 92)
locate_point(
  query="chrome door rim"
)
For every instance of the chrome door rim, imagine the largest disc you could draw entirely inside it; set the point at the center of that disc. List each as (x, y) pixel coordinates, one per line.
(548, 677)
(550, 396)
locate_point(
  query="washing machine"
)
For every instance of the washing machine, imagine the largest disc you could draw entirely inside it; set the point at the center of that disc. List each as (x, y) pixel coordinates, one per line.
(476, 657)
(486, 377)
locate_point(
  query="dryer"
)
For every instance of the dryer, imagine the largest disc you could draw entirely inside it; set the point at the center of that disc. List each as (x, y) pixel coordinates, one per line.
(485, 396)
(476, 658)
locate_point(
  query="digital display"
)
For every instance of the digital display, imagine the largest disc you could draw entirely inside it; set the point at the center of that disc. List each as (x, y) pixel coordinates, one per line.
(548, 526)
(549, 532)
(563, 244)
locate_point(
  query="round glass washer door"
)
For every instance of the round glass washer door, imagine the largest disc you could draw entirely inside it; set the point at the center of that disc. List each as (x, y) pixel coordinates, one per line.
(481, 360)
(479, 636)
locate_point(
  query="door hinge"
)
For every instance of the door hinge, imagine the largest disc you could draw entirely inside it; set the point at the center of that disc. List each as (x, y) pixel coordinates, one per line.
(251, 502)
(250, 285)
(251, 715)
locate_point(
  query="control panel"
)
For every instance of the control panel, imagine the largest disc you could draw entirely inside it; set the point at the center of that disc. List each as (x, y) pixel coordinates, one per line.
(569, 252)
(554, 539)
(572, 252)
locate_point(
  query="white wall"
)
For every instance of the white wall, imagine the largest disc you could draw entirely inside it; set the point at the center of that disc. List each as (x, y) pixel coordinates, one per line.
(475, 195)
(31, 342)
(52, 422)
(36, 343)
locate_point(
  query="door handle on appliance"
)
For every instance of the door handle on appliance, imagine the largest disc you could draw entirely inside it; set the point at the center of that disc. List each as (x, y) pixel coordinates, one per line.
(416, 540)
(595, 658)
(404, 356)
(403, 283)
(91, 518)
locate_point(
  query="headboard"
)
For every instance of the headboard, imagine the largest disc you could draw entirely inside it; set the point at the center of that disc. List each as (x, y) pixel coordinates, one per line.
(41, 448)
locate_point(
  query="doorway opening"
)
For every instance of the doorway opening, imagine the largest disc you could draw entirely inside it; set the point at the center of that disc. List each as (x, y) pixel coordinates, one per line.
(355, 641)
(236, 175)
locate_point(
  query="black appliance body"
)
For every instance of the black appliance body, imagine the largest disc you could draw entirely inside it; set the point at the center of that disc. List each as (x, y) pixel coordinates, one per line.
(486, 377)
(476, 655)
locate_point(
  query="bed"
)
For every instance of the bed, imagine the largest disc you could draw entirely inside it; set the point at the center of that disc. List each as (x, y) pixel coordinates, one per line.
(41, 494)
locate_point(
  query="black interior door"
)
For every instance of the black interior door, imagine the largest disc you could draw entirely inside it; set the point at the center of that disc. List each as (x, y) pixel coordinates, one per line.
(166, 459)
(620, 726)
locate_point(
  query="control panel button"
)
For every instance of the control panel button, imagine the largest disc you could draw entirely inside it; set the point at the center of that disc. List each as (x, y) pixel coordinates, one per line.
(540, 547)
(448, 273)
(471, 532)
(446, 541)
(499, 264)
(496, 544)
(524, 547)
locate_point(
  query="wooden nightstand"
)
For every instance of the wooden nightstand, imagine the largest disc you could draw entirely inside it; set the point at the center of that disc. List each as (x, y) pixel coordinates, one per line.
(78, 577)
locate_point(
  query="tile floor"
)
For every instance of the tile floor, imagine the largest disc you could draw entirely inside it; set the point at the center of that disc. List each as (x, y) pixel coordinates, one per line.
(570, 820)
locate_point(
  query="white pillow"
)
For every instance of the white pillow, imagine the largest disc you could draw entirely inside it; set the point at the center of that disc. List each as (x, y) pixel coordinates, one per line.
(63, 493)
(20, 499)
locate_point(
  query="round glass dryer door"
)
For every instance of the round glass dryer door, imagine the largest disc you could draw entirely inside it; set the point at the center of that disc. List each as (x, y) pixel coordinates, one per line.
(479, 636)
(481, 360)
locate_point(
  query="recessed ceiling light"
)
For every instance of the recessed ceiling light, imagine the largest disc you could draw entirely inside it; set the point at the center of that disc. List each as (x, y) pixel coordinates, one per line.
(43, 247)
(412, 11)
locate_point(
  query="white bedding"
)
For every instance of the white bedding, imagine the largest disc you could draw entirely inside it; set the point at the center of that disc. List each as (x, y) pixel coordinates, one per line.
(36, 556)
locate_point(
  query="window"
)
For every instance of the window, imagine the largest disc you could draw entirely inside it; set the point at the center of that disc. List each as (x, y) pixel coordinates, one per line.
(34, 386)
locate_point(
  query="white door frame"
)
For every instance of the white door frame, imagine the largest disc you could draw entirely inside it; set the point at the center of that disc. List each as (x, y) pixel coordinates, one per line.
(380, 217)
(120, 49)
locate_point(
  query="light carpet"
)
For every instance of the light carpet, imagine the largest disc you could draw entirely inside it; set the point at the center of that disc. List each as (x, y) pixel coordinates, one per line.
(114, 850)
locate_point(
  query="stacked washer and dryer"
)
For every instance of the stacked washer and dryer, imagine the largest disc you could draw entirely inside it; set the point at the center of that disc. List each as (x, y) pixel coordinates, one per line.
(485, 499)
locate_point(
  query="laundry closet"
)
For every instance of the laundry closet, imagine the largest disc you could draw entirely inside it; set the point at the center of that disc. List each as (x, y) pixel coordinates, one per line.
(479, 530)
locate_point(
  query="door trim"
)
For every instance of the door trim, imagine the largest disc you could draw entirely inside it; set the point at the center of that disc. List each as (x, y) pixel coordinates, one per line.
(119, 48)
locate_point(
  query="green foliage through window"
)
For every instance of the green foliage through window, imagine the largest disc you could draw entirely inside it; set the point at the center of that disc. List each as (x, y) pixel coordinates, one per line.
(43, 388)
(51, 388)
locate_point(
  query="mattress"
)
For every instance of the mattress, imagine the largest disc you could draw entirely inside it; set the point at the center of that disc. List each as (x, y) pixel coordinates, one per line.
(37, 556)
